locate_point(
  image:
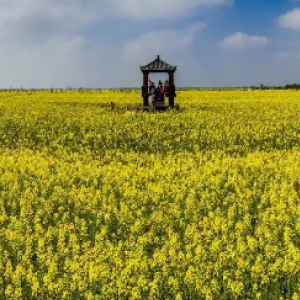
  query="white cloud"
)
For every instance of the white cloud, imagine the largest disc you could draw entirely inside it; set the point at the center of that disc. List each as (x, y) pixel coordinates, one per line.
(240, 40)
(290, 20)
(168, 43)
(58, 15)
(61, 61)
(157, 9)
(195, 27)
(32, 16)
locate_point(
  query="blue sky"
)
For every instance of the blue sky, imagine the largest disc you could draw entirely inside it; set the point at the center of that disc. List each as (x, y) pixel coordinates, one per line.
(101, 43)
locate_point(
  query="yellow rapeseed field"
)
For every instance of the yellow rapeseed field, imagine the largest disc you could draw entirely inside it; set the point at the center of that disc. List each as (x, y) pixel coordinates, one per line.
(197, 204)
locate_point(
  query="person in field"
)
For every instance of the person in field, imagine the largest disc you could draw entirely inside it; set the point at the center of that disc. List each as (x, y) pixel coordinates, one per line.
(159, 93)
(151, 87)
(155, 95)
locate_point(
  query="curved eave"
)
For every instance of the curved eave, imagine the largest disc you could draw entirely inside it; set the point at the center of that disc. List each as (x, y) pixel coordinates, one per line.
(145, 68)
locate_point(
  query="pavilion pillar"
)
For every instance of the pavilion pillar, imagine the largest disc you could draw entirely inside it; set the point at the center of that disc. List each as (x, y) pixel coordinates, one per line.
(145, 94)
(171, 88)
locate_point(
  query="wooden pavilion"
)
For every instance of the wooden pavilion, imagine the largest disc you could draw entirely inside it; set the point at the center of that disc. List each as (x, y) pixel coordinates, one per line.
(158, 66)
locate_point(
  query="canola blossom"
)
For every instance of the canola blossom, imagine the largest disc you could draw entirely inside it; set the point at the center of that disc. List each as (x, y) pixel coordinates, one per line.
(112, 204)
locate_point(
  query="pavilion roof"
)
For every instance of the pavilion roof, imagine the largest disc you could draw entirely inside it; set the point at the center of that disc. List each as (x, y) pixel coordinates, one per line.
(158, 65)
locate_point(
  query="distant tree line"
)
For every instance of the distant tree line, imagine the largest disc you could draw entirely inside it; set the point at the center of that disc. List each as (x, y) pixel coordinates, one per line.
(295, 86)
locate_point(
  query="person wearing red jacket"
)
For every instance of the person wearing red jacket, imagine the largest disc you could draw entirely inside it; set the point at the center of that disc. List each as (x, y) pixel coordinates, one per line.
(161, 92)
